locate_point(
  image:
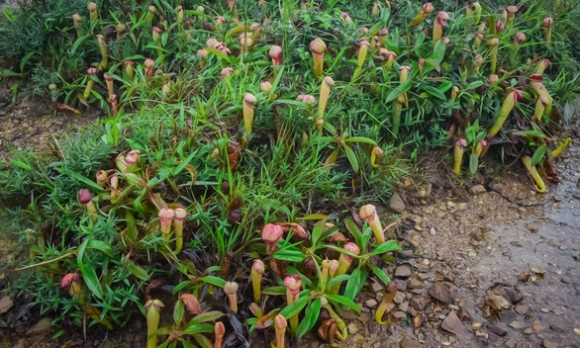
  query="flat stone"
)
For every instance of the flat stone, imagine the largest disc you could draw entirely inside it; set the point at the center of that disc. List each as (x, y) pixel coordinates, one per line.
(518, 325)
(409, 343)
(5, 304)
(441, 293)
(404, 306)
(396, 203)
(546, 343)
(557, 327)
(352, 328)
(496, 330)
(419, 302)
(399, 314)
(522, 309)
(399, 297)
(416, 284)
(401, 285)
(511, 342)
(537, 326)
(371, 303)
(477, 189)
(403, 271)
(453, 324)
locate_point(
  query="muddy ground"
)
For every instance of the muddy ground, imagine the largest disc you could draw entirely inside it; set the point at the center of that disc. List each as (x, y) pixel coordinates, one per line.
(486, 265)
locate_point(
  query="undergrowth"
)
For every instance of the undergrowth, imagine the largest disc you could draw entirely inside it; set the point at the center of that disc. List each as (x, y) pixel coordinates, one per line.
(231, 178)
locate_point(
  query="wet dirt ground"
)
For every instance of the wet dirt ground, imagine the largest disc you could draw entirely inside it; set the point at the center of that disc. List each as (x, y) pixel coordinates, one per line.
(488, 265)
(498, 266)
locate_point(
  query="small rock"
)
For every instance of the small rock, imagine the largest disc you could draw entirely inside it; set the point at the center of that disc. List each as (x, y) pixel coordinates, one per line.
(401, 285)
(545, 310)
(403, 271)
(453, 324)
(557, 327)
(549, 344)
(404, 306)
(41, 327)
(537, 269)
(416, 284)
(441, 293)
(577, 331)
(396, 203)
(518, 325)
(511, 342)
(477, 190)
(463, 314)
(528, 331)
(352, 328)
(496, 330)
(5, 304)
(399, 297)
(377, 287)
(371, 303)
(522, 309)
(419, 302)
(432, 231)
(409, 343)
(532, 228)
(537, 326)
(399, 314)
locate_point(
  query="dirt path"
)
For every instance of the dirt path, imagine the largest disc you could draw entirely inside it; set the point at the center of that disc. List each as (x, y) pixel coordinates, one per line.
(499, 268)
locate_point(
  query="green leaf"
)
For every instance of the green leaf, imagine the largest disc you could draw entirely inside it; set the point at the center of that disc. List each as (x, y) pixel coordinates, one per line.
(388, 246)
(88, 272)
(364, 140)
(102, 246)
(317, 231)
(434, 92)
(178, 313)
(310, 317)
(381, 274)
(473, 163)
(184, 164)
(353, 284)
(295, 307)
(198, 328)
(343, 300)
(538, 155)
(351, 158)
(338, 279)
(137, 270)
(80, 178)
(205, 317)
(275, 290)
(213, 280)
(401, 88)
(474, 85)
(289, 255)
(352, 227)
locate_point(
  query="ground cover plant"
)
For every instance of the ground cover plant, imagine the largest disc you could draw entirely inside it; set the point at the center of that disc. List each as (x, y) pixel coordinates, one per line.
(227, 192)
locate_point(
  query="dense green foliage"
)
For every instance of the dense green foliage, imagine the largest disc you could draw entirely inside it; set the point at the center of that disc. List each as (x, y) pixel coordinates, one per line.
(227, 133)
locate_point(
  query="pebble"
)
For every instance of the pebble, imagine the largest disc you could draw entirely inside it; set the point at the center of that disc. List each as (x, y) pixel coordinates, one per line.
(352, 328)
(396, 203)
(518, 325)
(403, 271)
(409, 343)
(544, 310)
(522, 309)
(577, 331)
(441, 293)
(477, 189)
(499, 331)
(404, 306)
(549, 344)
(416, 284)
(399, 314)
(399, 297)
(432, 231)
(371, 303)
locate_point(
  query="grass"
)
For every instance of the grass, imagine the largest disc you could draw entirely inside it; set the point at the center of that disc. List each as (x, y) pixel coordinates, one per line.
(298, 168)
